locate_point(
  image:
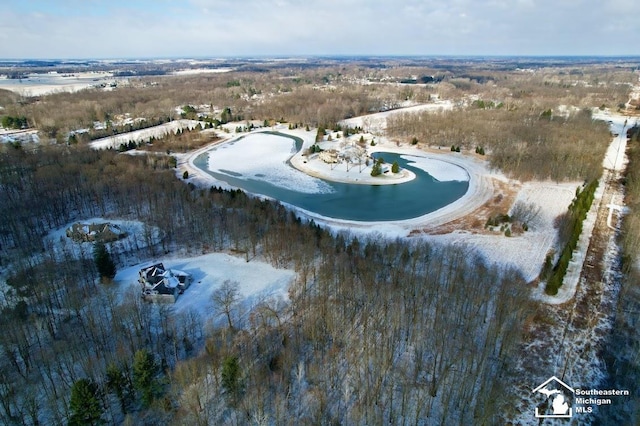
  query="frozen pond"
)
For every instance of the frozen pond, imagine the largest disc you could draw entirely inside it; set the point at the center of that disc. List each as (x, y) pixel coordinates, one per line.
(258, 163)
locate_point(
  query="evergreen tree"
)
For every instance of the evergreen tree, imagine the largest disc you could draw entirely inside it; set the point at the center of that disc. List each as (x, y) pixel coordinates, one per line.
(395, 168)
(226, 115)
(118, 383)
(376, 170)
(85, 406)
(144, 375)
(231, 375)
(104, 263)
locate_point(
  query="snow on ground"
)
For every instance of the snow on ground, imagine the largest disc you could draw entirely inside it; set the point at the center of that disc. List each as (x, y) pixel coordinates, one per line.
(144, 135)
(344, 172)
(22, 136)
(479, 177)
(264, 157)
(139, 235)
(195, 71)
(258, 281)
(39, 84)
(526, 252)
(377, 123)
(62, 247)
(615, 160)
(440, 170)
(615, 157)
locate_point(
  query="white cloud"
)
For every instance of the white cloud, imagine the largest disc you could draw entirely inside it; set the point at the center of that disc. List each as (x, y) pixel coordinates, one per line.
(251, 27)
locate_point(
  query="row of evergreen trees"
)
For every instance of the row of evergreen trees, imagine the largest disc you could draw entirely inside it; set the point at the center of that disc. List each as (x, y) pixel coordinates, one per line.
(577, 213)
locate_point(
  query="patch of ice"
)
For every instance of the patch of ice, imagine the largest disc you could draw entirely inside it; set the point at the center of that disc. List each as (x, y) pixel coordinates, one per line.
(262, 156)
(440, 170)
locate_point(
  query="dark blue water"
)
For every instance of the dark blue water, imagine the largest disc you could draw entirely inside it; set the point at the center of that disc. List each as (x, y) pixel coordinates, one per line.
(360, 202)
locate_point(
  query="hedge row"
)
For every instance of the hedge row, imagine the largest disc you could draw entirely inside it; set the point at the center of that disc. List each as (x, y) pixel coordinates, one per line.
(577, 213)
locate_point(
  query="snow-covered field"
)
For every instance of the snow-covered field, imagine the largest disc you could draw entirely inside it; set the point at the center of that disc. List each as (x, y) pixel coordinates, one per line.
(377, 123)
(43, 84)
(615, 160)
(525, 252)
(144, 135)
(258, 281)
(196, 71)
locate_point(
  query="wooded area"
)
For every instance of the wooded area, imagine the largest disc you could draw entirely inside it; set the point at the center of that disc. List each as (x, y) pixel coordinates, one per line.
(376, 331)
(356, 311)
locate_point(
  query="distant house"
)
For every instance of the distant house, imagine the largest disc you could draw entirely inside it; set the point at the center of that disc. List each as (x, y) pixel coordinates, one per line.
(104, 232)
(162, 285)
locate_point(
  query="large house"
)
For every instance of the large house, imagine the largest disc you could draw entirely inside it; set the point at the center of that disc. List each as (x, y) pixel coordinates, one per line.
(162, 285)
(104, 232)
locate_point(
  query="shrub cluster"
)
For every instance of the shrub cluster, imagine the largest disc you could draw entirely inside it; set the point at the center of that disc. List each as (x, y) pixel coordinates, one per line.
(497, 220)
(9, 122)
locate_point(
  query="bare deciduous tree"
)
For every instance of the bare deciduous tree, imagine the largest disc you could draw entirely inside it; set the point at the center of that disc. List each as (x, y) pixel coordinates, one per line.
(226, 298)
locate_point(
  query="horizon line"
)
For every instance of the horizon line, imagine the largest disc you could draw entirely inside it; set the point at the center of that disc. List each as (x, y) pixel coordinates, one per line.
(320, 56)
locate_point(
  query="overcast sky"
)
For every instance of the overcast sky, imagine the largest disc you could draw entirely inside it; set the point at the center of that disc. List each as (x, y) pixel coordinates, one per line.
(220, 28)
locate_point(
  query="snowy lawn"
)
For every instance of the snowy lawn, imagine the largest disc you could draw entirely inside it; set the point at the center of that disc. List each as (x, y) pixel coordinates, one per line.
(258, 281)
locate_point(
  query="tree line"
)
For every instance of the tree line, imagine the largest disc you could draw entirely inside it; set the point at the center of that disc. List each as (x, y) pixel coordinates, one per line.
(521, 142)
